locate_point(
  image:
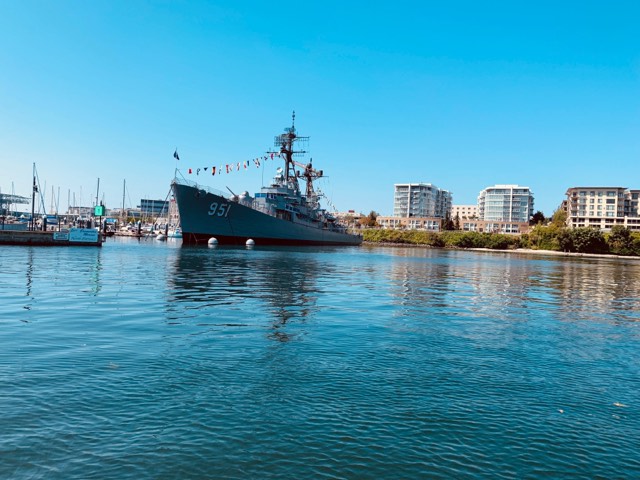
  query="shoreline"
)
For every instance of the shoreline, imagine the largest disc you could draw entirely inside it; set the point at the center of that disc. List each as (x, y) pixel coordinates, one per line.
(524, 251)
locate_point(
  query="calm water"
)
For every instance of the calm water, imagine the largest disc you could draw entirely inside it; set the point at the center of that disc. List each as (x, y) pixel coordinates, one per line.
(147, 360)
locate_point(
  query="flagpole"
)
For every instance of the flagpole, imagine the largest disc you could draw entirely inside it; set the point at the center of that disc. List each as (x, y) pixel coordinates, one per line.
(177, 157)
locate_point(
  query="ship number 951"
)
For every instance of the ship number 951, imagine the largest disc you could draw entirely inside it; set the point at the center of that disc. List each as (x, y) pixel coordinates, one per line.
(219, 209)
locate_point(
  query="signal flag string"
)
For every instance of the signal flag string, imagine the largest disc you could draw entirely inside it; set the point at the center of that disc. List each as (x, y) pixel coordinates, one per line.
(233, 166)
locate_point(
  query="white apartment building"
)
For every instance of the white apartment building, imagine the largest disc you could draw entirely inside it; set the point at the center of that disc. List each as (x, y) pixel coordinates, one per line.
(505, 203)
(421, 200)
(603, 207)
(430, 224)
(464, 211)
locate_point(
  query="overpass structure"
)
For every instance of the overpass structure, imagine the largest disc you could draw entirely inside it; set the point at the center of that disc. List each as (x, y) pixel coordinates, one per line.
(8, 202)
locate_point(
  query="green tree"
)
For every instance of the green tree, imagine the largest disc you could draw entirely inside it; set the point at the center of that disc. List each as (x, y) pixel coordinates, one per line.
(635, 239)
(456, 221)
(588, 240)
(620, 241)
(544, 237)
(447, 224)
(564, 238)
(559, 218)
(537, 218)
(370, 220)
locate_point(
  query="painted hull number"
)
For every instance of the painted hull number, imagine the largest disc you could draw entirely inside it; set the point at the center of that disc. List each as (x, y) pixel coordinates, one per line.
(219, 209)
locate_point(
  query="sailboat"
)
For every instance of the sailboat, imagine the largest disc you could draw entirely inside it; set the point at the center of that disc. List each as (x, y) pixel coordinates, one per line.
(174, 220)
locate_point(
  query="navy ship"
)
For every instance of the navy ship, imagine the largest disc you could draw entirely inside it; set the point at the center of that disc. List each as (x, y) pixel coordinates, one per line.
(280, 214)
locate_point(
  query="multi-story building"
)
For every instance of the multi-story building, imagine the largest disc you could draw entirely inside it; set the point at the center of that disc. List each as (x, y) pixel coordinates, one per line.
(153, 208)
(602, 207)
(421, 200)
(493, 226)
(351, 218)
(464, 211)
(83, 212)
(505, 203)
(431, 224)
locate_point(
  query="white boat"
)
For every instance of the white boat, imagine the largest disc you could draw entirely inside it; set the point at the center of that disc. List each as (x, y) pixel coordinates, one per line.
(177, 233)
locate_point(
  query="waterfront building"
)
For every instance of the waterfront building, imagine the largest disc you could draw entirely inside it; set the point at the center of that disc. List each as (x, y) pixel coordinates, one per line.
(602, 207)
(494, 226)
(82, 212)
(464, 211)
(422, 200)
(505, 203)
(351, 218)
(349, 215)
(153, 208)
(126, 213)
(431, 224)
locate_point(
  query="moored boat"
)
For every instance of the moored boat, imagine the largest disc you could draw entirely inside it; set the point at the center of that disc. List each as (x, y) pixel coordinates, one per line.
(177, 233)
(280, 214)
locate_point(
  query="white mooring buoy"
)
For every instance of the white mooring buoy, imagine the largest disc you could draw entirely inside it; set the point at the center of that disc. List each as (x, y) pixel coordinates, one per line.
(250, 243)
(161, 237)
(213, 241)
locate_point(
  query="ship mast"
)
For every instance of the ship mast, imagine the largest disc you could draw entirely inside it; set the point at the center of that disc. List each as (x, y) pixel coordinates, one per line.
(286, 143)
(310, 174)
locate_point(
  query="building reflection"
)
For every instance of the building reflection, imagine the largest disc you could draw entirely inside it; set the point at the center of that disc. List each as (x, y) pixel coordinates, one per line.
(461, 283)
(421, 279)
(598, 289)
(504, 286)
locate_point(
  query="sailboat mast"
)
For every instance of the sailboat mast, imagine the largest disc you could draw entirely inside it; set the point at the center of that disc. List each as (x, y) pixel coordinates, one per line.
(33, 199)
(124, 189)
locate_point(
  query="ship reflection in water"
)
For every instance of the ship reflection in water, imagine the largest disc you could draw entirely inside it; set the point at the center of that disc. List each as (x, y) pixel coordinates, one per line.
(218, 283)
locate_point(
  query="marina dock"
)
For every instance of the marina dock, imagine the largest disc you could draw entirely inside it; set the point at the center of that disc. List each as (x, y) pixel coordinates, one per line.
(87, 237)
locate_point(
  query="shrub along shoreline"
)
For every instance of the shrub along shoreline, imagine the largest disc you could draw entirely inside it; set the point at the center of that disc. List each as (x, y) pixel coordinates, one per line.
(621, 241)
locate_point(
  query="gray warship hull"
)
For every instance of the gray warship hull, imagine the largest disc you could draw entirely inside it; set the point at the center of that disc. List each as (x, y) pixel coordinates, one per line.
(204, 214)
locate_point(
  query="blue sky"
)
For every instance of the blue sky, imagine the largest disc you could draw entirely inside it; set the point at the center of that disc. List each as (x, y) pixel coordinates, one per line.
(460, 94)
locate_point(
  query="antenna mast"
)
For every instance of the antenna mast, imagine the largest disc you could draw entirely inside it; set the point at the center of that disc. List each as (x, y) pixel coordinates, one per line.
(286, 143)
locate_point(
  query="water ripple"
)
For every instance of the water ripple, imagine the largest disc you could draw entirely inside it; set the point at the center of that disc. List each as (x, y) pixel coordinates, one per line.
(154, 361)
